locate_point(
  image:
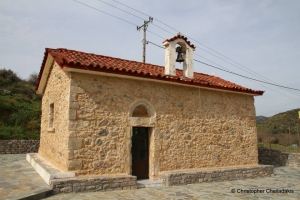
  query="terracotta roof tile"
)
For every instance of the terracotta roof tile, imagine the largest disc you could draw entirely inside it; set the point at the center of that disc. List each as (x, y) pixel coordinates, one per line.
(93, 62)
(182, 37)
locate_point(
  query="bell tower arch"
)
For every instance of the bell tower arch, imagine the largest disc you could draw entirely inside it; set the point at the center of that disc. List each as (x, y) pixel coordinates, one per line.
(186, 49)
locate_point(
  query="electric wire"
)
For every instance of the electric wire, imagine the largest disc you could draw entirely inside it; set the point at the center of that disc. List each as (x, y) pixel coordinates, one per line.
(134, 15)
(243, 67)
(247, 76)
(116, 17)
(121, 9)
(226, 70)
(194, 59)
(105, 12)
(154, 44)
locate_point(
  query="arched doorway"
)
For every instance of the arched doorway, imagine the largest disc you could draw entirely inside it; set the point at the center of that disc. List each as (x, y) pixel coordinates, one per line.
(141, 113)
(140, 152)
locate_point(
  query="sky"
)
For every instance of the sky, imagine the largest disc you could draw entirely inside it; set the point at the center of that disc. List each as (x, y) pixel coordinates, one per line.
(259, 38)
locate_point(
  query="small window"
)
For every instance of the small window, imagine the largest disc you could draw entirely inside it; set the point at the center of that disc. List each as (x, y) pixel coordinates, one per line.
(51, 117)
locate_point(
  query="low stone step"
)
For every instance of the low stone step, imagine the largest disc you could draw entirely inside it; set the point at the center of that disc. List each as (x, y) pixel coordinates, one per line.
(146, 183)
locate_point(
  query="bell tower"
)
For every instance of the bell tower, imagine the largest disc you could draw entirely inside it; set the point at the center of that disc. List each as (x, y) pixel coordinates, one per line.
(185, 54)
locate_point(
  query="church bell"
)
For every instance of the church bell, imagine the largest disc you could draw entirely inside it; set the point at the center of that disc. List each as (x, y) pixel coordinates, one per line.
(180, 52)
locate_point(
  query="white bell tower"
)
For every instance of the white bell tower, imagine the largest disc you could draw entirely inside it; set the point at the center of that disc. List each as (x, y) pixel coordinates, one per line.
(170, 56)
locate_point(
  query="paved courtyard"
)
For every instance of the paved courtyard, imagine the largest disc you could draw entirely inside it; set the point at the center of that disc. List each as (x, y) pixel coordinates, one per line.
(17, 178)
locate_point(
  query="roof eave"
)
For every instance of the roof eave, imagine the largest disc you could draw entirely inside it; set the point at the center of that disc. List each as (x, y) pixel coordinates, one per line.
(45, 71)
(163, 79)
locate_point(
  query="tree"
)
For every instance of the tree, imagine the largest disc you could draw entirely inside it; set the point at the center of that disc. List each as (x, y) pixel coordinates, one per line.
(33, 79)
(8, 77)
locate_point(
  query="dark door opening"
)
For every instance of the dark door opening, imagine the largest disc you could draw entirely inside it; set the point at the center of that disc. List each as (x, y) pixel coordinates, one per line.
(140, 152)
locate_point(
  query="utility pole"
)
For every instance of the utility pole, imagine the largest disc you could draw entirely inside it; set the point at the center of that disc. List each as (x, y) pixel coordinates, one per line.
(144, 26)
(298, 134)
(290, 134)
(298, 128)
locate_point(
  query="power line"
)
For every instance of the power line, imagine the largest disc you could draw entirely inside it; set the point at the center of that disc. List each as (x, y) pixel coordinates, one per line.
(146, 15)
(196, 54)
(121, 9)
(116, 17)
(227, 69)
(245, 68)
(247, 76)
(133, 15)
(237, 73)
(155, 44)
(105, 12)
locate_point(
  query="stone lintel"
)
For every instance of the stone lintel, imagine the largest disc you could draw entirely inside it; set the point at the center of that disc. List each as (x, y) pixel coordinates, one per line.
(142, 121)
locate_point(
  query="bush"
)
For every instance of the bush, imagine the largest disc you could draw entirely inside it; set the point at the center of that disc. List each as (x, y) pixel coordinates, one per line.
(17, 133)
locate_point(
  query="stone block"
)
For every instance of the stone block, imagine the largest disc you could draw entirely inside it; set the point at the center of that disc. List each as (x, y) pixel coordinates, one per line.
(75, 89)
(78, 188)
(78, 125)
(74, 105)
(106, 186)
(70, 154)
(90, 188)
(67, 189)
(73, 97)
(72, 114)
(75, 143)
(75, 165)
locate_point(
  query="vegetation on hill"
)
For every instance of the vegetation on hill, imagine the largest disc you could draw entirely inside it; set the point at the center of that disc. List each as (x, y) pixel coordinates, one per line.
(20, 107)
(260, 119)
(280, 129)
(282, 148)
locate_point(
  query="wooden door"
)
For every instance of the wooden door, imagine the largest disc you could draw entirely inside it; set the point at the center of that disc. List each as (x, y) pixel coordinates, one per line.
(140, 152)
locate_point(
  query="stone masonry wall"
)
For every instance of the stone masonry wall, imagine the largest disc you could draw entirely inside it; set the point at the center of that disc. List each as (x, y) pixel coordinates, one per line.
(94, 184)
(54, 142)
(278, 158)
(191, 127)
(19, 146)
(212, 175)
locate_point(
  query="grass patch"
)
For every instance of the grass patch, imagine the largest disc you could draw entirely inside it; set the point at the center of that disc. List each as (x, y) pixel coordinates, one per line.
(289, 149)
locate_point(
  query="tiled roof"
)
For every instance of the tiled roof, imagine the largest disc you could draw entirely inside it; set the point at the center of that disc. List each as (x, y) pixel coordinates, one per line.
(182, 37)
(89, 61)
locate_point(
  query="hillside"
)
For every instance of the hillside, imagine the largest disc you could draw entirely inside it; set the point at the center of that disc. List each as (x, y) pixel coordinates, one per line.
(275, 129)
(19, 107)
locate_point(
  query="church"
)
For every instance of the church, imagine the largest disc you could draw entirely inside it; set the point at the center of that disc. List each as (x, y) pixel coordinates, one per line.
(105, 116)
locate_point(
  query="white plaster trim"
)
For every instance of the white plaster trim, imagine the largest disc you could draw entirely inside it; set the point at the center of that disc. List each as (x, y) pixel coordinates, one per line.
(69, 69)
(45, 169)
(45, 75)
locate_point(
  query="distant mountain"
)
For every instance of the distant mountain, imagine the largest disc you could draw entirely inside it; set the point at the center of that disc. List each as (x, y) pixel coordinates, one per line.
(260, 119)
(276, 129)
(280, 122)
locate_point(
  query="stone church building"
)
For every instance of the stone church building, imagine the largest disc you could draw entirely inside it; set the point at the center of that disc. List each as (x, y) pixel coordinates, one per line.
(110, 116)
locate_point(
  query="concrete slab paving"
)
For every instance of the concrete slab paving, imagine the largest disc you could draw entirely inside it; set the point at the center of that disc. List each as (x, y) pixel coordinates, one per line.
(18, 179)
(286, 178)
